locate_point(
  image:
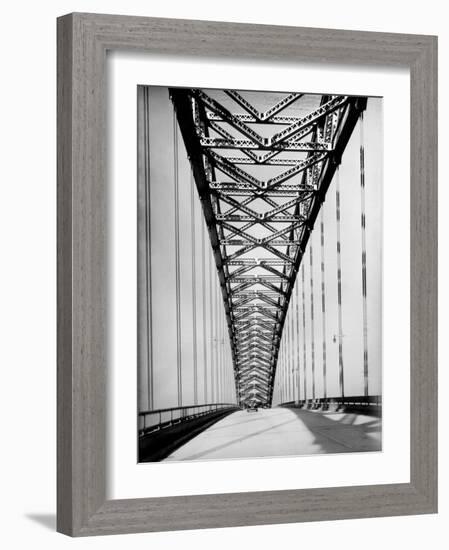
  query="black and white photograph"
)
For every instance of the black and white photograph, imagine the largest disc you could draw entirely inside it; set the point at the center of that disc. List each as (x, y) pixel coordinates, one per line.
(220, 292)
(259, 274)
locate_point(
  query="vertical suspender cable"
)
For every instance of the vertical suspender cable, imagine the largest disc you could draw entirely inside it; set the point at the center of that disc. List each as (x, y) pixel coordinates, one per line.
(363, 231)
(211, 322)
(340, 321)
(219, 382)
(285, 371)
(281, 367)
(203, 283)
(217, 365)
(312, 321)
(292, 370)
(177, 262)
(223, 370)
(290, 354)
(194, 339)
(288, 344)
(287, 359)
(148, 286)
(222, 337)
(223, 355)
(225, 373)
(287, 380)
(323, 305)
(284, 355)
(217, 314)
(282, 375)
(292, 351)
(212, 339)
(304, 330)
(278, 376)
(292, 361)
(298, 378)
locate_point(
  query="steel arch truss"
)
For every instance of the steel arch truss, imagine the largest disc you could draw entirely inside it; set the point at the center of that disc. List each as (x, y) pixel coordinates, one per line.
(262, 176)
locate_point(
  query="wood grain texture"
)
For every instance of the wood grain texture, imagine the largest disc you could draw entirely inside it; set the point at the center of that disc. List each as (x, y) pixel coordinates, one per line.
(64, 276)
(83, 40)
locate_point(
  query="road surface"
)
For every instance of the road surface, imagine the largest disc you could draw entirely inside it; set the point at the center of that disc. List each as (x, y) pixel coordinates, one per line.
(283, 432)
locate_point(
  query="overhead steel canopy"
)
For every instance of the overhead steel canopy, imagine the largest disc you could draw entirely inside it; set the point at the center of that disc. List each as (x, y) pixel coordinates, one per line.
(262, 164)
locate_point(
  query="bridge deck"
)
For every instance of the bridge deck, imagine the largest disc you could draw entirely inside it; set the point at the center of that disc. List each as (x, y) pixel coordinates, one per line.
(282, 432)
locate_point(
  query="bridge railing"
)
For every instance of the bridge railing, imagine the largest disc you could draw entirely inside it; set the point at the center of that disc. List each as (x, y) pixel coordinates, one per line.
(373, 403)
(150, 421)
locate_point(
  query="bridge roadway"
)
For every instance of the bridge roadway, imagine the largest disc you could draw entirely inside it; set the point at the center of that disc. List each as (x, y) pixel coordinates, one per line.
(283, 432)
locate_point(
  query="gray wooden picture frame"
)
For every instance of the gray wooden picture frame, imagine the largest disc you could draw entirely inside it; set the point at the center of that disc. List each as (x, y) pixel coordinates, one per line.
(83, 40)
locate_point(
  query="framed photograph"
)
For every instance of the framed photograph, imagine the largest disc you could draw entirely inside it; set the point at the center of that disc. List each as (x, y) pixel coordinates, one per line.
(247, 288)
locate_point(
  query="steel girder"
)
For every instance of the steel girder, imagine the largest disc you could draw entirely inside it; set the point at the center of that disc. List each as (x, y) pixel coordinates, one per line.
(260, 218)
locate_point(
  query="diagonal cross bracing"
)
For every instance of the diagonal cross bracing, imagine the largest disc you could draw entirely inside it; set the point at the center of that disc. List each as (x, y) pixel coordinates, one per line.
(260, 217)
